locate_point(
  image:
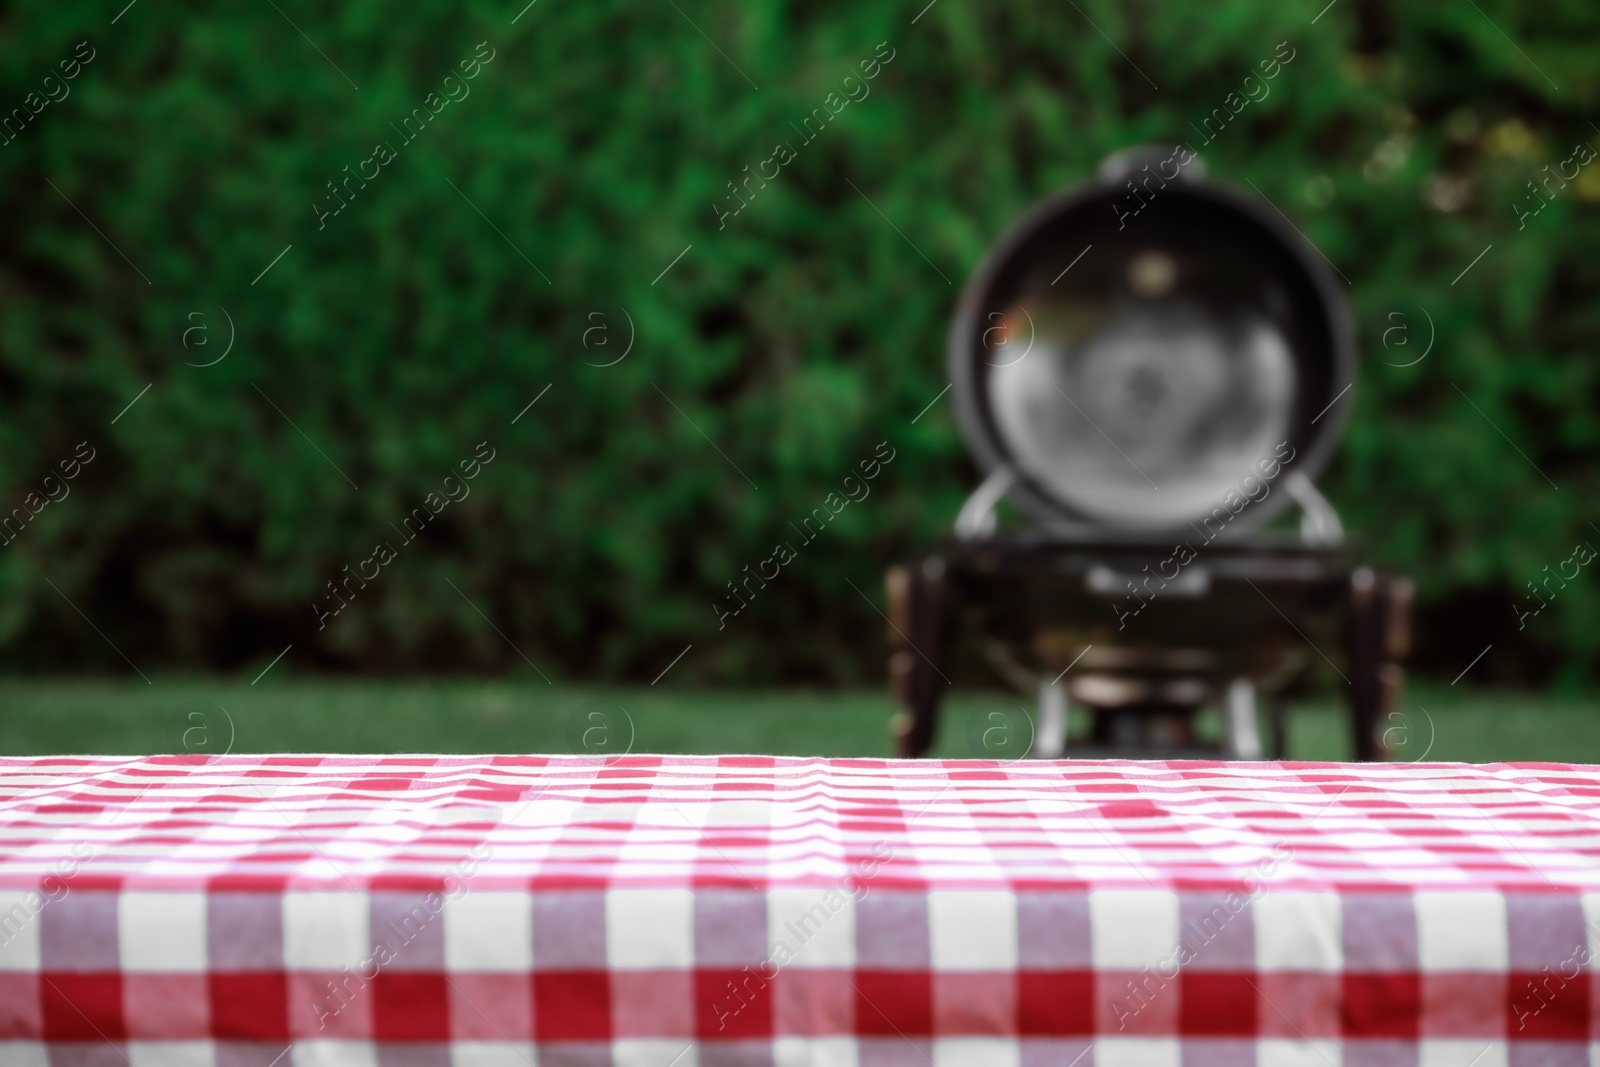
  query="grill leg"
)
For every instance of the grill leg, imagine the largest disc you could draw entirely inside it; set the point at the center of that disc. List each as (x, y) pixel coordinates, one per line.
(1050, 740)
(916, 642)
(1378, 637)
(1244, 739)
(1278, 723)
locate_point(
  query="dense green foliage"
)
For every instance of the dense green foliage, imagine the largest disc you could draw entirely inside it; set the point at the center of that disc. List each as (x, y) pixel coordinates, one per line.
(777, 352)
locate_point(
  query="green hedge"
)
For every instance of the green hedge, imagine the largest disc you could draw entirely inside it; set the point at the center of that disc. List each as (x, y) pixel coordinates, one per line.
(772, 358)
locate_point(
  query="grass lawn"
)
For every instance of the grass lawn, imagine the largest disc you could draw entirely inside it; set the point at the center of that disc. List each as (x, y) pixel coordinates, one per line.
(320, 715)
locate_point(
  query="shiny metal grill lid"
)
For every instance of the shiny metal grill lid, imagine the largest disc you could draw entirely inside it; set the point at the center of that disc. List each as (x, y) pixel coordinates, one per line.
(1138, 348)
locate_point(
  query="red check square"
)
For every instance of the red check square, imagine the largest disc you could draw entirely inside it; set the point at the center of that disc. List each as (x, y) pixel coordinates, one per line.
(732, 1003)
(410, 1006)
(893, 1003)
(572, 1006)
(82, 1007)
(1546, 1006)
(248, 1006)
(1055, 1003)
(1217, 1004)
(1382, 1005)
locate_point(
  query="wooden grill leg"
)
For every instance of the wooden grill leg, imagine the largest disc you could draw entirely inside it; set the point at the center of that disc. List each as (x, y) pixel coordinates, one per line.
(1378, 638)
(916, 642)
(1278, 729)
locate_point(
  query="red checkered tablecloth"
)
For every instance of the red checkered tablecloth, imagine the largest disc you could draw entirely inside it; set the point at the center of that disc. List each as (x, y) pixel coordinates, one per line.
(497, 911)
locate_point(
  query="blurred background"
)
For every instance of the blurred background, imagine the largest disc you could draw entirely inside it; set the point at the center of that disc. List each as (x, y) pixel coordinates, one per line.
(252, 319)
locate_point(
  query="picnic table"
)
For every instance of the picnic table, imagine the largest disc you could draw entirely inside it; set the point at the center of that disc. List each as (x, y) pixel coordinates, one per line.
(670, 911)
